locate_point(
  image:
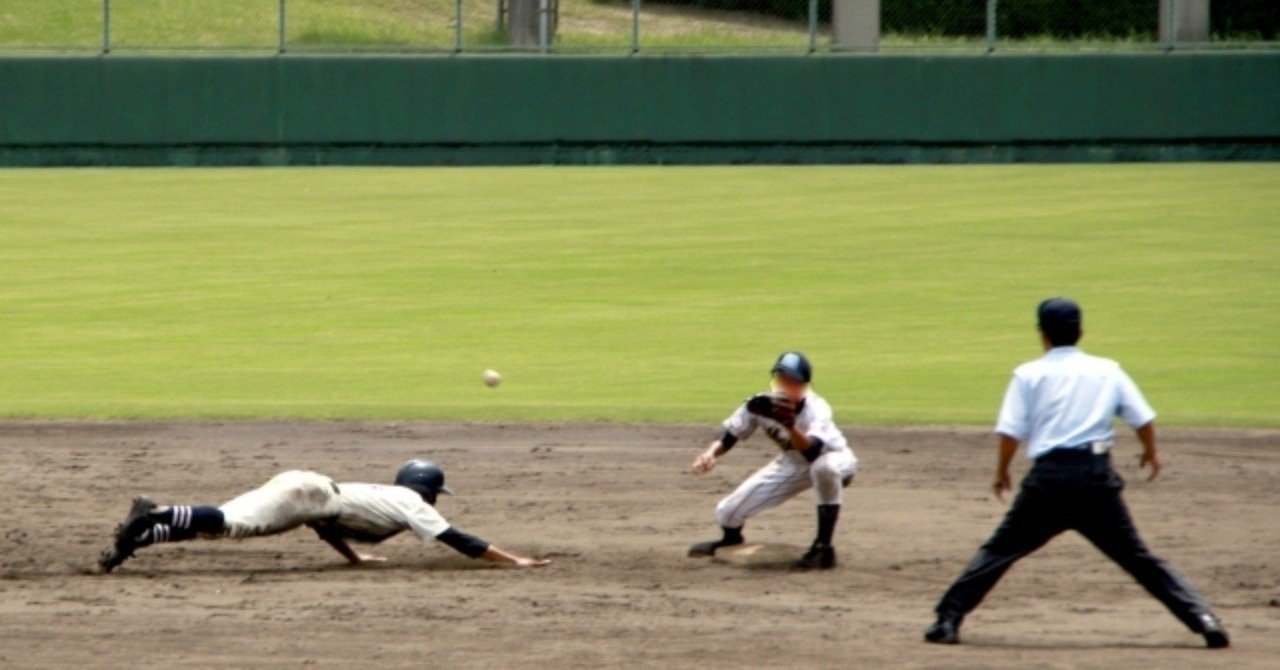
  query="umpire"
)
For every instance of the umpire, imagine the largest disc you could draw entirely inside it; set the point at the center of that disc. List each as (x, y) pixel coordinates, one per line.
(1062, 406)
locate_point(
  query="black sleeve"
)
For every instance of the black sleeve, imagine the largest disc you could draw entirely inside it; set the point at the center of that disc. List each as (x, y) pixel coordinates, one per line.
(468, 545)
(727, 440)
(815, 449)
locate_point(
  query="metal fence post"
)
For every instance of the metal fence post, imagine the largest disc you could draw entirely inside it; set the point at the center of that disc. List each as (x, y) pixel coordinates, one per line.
(813, 26)
(106, 27)
(635, 26)
(282, 40)
(457, 28)
(1164, 24)
(499, 22)
(544, 9)
(991, 25)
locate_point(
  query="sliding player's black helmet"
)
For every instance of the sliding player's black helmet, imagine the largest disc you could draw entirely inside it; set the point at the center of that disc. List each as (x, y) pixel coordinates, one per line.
(424, 477)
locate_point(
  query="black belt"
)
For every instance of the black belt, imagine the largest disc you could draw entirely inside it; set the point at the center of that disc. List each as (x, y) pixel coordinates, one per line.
(1078, 454)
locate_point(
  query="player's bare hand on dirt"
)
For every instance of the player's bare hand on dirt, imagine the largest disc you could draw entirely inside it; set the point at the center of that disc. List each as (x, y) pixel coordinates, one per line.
(1001, 484)
(524, 562)
(704, 463)
(1152, 460)
(361, 559)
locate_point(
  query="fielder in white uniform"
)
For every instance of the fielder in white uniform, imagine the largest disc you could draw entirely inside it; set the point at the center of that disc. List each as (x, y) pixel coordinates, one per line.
(338, 512)
(815, 454)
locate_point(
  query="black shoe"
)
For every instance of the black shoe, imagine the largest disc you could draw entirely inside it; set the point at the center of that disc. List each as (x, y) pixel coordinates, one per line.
(1215, 636)
(704, 549)
(819, 557)
(946, 630)
(127, 534)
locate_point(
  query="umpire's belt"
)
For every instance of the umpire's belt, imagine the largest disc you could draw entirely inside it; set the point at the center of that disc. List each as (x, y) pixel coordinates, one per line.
(1088, 452)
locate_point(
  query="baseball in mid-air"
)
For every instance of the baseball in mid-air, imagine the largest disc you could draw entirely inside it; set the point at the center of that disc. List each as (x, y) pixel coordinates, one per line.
(491, 378)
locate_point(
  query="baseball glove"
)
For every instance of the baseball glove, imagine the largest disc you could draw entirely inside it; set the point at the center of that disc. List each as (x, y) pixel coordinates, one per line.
(776, 406)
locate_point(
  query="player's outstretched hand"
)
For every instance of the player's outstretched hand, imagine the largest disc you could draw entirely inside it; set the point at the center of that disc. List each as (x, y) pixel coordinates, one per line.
(704, 463)
(495, 555)
(369, 558)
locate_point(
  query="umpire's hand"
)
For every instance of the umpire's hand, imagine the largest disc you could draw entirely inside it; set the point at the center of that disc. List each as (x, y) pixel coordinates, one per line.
(1001, 484)
(1150, 458)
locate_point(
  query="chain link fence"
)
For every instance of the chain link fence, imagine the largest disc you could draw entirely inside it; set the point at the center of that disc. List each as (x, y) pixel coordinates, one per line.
(635, 26)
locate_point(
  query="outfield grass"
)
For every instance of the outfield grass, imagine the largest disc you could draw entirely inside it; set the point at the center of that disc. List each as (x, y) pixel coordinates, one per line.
(626, 293)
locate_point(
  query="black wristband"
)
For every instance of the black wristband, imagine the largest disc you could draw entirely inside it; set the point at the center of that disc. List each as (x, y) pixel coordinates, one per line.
(468, 545)
(727, 440)
(815, 449)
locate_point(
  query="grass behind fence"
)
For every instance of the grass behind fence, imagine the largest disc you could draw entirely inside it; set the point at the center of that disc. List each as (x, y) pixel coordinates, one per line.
(427, 25)
(383, 24)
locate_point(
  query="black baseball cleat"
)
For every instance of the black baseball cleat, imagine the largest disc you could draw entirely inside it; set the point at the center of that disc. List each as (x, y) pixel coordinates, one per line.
(111, 558)
(1215, 636)
(819, 557)
(946, 630)
(126, 534)
(703, 549)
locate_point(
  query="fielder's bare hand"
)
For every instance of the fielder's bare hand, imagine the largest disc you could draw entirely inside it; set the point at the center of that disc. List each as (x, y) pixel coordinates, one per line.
(705, 462)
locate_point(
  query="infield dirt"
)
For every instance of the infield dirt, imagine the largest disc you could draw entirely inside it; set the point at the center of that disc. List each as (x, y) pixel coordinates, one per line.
(614, 507)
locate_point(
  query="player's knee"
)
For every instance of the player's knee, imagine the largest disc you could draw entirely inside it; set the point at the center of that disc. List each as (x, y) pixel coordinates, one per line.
(726, 514)
(825, 473)
(827, 483)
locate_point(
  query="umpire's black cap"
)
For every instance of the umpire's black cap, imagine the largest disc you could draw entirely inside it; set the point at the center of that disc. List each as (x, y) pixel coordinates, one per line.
(793, 365)
(1060, 320)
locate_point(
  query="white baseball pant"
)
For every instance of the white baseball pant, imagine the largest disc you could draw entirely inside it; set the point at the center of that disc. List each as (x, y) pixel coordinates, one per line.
(286, 501)
(782, 479)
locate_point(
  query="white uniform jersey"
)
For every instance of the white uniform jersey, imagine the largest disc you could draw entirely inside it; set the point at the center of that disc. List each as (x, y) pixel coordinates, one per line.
(375, 512)
(365, 512)
(1069, 399)
(791, 472)
(815, 419)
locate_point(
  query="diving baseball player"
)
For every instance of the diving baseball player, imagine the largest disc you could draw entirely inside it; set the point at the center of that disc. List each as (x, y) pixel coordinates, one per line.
(339, 513)
(814, 454)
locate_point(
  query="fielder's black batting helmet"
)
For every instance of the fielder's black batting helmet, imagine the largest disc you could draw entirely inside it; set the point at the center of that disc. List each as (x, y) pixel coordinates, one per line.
(793, 365)
(424, 477)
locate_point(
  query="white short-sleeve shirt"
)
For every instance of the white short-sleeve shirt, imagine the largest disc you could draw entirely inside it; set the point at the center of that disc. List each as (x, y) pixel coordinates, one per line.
(1068, 398)
(378, 511)
(815, 420)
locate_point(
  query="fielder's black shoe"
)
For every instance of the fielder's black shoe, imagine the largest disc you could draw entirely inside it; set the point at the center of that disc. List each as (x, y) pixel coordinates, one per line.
(126, 534)
(946, 630)
(1215, 636)
(819, 557)
(703, 549)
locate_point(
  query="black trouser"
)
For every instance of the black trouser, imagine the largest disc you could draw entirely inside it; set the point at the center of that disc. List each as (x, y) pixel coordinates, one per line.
(1072, 490)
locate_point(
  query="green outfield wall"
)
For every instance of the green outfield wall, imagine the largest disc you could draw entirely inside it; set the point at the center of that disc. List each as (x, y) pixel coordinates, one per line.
(472, 110)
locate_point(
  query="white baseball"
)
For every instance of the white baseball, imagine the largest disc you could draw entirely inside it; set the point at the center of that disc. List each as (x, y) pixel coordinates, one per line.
(491, 378)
